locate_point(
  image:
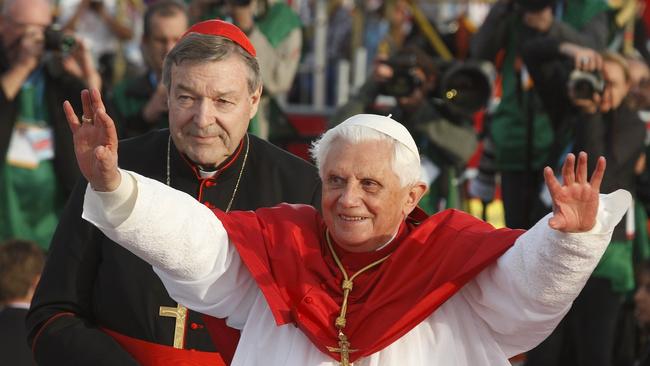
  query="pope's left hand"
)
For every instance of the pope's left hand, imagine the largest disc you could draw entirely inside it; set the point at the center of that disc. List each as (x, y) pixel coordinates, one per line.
(575, 201)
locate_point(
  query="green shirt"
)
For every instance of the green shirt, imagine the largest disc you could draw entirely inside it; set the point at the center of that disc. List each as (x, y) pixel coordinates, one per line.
(30, 199)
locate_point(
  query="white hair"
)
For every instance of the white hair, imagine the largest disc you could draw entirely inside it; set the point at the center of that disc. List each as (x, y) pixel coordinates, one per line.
(405, 163)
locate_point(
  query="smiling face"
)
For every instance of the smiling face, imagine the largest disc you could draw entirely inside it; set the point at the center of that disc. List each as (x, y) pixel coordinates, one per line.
(363, 200)
(209, 108)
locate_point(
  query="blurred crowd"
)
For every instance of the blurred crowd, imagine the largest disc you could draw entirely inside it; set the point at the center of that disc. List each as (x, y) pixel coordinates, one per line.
(492, 91)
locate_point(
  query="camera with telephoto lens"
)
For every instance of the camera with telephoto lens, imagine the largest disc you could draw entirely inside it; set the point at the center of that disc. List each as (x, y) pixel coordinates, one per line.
(466, 87)
(56, 40)
(239, 2)
(404, 80)
(96, 5)
(584, 84)
(534, 5)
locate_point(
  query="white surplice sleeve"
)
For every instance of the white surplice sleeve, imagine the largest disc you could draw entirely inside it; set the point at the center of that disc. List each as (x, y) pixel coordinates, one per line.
(182, 239)
(525, 294)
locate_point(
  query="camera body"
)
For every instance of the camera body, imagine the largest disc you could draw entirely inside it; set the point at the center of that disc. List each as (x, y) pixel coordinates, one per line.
(534, 5)
(56, 40)
(463, 87)
(404, 80)
(583, 84)
(239, 2)
(96, 5)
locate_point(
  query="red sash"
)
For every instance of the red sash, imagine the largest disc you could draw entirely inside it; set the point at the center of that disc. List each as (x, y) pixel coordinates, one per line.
(284, 249)
(152, 354)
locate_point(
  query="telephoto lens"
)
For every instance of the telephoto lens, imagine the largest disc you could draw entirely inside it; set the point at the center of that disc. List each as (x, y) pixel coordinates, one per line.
(240, 2)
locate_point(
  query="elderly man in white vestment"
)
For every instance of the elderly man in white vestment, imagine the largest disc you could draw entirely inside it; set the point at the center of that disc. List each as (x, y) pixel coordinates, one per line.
(371, 282)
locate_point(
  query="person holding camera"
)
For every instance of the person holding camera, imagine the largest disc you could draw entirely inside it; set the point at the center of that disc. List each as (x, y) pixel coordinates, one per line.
(98, 23)
(140, 103)
(446, 138)
(36, 76)
(602, 123)
(520, 129)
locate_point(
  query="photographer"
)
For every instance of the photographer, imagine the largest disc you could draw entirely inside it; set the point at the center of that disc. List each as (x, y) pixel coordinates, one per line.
(98, 24)
(444, 135)
(603, 124)
(37, 170)
(519, 127)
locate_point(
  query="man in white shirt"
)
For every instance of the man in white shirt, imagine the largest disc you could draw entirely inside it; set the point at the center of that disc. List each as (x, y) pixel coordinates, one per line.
(374, 281)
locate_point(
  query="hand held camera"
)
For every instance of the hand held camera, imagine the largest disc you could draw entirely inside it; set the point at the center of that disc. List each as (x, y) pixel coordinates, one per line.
(56, 40)
(583, 84)
(404, 80)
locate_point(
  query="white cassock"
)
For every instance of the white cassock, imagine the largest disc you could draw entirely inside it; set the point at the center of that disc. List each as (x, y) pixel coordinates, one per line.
(510, 307)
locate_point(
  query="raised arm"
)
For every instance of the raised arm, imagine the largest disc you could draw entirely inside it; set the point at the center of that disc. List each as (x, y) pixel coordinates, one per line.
(181, 238)
(531, 287)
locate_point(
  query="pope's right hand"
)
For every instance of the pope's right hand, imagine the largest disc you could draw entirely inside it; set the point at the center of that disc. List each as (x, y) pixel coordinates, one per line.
(95, 142)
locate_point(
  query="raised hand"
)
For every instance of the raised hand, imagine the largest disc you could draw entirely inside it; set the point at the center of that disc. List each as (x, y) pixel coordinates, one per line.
(95, 141)
(575, 201)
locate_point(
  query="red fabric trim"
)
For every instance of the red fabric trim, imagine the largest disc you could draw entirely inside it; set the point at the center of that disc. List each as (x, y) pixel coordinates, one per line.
(221, 169)
(48, 322)
(220, 28)
(224, 338)
(203, 181)
(430, 262)
(152, 354)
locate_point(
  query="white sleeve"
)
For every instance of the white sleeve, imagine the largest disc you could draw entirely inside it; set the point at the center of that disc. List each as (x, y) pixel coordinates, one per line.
(182, 239)
(525, 294)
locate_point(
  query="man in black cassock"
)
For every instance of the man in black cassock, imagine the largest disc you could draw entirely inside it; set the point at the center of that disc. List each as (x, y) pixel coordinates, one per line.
(98, 304)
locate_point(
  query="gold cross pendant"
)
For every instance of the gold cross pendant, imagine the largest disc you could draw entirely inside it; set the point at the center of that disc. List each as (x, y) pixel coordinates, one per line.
(344, 349)
(180, 313)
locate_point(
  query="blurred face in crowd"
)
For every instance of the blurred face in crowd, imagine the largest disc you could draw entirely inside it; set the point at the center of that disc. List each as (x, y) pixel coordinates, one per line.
(209, 108)
(639, 85)
(22, 27)
(165, 31)
(363, 199)
(642, 299)
(616, 86)
(639, 72)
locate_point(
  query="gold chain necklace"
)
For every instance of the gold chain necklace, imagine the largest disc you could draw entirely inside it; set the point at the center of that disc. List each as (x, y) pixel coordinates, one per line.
(180, 311)
(241, 171)
(347, 285)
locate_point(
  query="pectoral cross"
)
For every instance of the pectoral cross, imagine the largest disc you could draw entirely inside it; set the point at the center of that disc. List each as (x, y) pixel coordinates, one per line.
(344, 349)
(180, 313)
